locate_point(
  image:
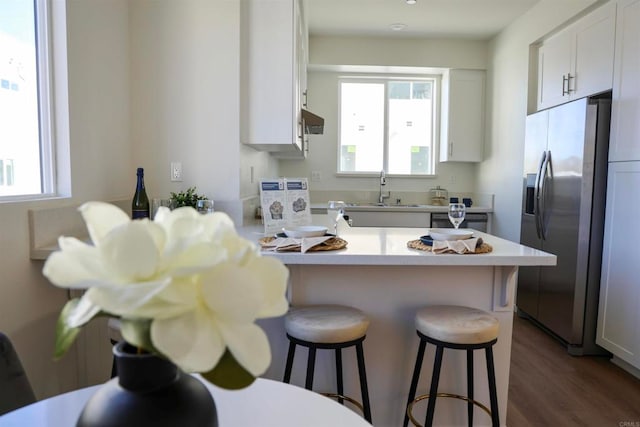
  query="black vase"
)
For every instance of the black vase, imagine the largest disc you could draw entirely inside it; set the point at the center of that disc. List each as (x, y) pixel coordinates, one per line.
(149, 391)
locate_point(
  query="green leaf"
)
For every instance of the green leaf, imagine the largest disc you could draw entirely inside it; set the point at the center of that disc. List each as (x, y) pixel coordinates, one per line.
(186, 198)
(229, 374)
(65, 335)
(137, 332)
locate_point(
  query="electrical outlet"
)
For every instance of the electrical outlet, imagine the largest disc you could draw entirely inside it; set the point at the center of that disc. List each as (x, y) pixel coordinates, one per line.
(316, 176)
(176, 171)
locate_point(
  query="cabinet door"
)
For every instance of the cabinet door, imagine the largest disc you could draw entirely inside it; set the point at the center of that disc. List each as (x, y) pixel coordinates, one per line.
(625, 110)
(554, 65)
(389, 219)
(464, 136)
(593, 53)
(269, 113)
(619, 307)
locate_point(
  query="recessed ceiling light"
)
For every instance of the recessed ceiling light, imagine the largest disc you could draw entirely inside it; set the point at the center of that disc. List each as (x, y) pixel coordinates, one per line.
(398, 27)
(411, 1)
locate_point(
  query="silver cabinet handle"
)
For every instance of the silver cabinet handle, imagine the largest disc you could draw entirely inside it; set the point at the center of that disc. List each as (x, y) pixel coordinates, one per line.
(566, 80)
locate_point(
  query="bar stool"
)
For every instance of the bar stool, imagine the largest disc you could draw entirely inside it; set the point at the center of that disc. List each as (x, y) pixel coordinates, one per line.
(332, 327)
(460, 328)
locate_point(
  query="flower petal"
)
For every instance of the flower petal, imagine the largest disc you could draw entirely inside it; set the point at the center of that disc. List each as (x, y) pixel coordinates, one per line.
(249, 345)
(131, 252)
(273, 277)
(81, 313)
(101, 218)
(232, 293)
(134, 299)
(76, 266)
(191, 340)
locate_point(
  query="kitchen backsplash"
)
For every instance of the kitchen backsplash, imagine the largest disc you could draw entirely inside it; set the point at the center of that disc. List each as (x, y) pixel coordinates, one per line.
(405, 197)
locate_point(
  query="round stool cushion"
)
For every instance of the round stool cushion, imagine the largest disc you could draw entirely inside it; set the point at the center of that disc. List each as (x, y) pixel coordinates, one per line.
(456, 324)
(328, 324)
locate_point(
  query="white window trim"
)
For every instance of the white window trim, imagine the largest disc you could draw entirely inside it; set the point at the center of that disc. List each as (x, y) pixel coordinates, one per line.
(379, 78)
(53, 103)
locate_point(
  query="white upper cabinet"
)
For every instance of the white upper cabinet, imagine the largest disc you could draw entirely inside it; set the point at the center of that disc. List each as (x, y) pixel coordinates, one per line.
(462, 116)
(273, 70)
(625, 109)
(578, 61)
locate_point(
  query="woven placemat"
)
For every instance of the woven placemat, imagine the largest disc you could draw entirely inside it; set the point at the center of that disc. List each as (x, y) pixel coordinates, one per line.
(332, 244)
(483, 248)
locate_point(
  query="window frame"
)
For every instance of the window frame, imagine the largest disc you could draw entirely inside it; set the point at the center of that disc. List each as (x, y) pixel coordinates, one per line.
(386, 78)
(53, 111)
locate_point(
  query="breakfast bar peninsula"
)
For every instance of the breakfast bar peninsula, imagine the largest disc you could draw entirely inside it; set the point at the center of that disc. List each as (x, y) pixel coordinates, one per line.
(379, 274)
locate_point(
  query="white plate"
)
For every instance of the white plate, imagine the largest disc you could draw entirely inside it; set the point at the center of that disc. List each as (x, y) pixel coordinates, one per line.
(305, 231)
(449, 234)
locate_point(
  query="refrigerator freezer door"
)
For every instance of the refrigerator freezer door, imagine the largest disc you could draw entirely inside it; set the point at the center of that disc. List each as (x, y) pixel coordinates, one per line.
(535, 148)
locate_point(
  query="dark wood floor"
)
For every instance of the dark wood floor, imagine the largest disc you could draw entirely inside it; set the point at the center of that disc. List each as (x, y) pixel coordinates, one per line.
(548, 387)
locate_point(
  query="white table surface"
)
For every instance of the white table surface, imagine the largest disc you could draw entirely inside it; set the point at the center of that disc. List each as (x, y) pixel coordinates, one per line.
(265, 403)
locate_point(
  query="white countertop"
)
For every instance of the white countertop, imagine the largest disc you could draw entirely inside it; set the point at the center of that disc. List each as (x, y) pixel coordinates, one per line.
(317, 207)
(388, 246)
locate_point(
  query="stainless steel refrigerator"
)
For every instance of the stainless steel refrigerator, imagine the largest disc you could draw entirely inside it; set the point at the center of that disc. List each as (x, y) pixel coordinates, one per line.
(565, 172)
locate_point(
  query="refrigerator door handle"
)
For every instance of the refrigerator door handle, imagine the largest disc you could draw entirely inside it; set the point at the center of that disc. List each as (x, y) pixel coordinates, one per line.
(536, 195)
(546, 170)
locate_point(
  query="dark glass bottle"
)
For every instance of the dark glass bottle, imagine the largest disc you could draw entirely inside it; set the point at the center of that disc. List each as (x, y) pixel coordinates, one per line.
(140, 203)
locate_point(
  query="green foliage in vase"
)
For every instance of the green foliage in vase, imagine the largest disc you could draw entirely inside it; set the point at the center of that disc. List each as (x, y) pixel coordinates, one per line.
(186, 198)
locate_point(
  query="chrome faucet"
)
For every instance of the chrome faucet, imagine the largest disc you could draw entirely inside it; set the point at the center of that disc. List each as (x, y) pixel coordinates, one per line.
(383, 181)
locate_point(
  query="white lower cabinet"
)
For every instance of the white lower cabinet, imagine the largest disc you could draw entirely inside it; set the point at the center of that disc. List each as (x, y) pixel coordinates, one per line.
(619, 307)
(389, 219)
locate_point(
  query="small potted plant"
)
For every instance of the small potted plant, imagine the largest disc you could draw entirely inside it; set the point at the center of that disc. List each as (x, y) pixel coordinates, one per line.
(186, 198)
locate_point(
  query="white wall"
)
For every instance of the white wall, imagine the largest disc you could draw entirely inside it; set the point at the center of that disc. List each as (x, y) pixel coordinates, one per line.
(443, 53)
(185, 74)
(150, 81)
(323, 100)
(507, 89)
(100, 169)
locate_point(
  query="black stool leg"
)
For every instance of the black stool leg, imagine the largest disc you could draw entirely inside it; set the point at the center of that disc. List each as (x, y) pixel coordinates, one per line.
(289, 365)
(470, 387)
(493, 395)
(339, 374)
(414, 379)
(311, 365)
(114, 367)
(433, 391)
(364, 389)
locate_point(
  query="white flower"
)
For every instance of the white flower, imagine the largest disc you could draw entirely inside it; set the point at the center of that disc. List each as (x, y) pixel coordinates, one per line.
(199, 284)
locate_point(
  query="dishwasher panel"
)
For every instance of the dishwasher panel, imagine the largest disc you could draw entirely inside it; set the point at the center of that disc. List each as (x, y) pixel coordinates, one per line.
(477, 221)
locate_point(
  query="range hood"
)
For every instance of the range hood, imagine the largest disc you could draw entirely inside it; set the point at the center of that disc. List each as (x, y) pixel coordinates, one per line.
(313, 124)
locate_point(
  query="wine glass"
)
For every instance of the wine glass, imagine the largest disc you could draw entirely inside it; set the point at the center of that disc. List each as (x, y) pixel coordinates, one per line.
(204, 206)
(335, 210)
(456, 213)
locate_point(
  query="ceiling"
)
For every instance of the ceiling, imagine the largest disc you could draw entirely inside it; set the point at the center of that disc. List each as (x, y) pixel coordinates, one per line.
(469, 19)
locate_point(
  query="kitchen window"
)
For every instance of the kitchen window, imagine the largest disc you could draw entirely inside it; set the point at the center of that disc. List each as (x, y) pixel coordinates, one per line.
(26, 143)
(387, 124)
